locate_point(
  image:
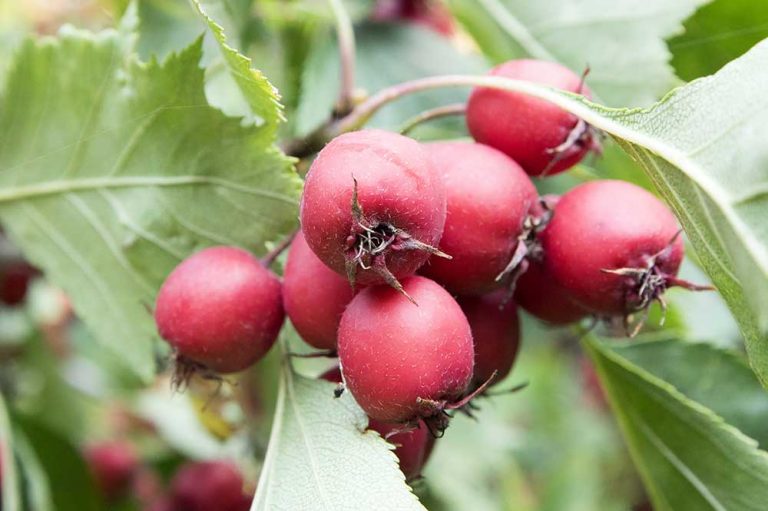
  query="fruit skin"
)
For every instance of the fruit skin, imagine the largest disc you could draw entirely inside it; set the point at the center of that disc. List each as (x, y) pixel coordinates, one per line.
(114, 465)
(488, 198)
(393, 352)
(610, 225)
(412, 447)
(15, 278)
(396, 185)
(208, 485)
(429, 13)
(220, 308)
(540, 295)
(496, 331)
(314, 296)
(526, 128)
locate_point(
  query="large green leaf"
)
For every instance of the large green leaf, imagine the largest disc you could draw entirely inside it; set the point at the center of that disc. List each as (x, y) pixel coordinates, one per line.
(113, 170)
(688, 456)
(718, 33)
(716, 378)
(585, 34)
(320, 456)
(386, 55)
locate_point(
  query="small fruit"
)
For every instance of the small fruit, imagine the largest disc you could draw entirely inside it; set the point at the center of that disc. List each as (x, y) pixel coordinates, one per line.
(541, 296)
(412, 447)
(15, 278)
(429, 13)
(613, 247)
(543, 138)
(373, 206)
(221, 309)
(314, 296)
(402, 361)
(204, 486)
(496, 331)
(488, 199)
(113, 465)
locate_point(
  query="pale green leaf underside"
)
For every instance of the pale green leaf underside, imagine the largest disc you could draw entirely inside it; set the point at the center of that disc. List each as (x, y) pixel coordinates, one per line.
(320, 457)
(112, 171)
(586, 34)
(688, 457)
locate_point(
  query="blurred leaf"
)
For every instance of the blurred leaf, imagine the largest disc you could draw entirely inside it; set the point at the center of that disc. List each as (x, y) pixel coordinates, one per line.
(166, 26)
(386, 55)
(113, 171)
(688, 456)
(10, 497)
(718, 33)
(70, 483)
(320, 455)
(584, 35)
(718, 379)
(37, 491)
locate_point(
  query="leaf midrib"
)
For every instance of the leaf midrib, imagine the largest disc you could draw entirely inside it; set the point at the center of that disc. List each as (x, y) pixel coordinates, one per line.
(58, 187)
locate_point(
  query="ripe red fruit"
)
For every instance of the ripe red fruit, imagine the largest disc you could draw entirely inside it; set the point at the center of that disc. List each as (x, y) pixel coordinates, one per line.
(613, 246)
(429, 13)
(403, 361)
(496, 331)
(203, 486)
(373, 206)
(412, 447)
(543, 138)
(15, 278)
(314, 296)
(541, 296)
(113, 466)
(220, 308)
(488, 198)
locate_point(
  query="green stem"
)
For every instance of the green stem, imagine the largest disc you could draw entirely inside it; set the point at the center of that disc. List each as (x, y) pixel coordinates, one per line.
(346, 36)
(430, 115)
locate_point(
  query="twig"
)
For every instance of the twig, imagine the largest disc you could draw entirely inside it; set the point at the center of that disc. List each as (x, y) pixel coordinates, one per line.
(273, 254)
(346, 37)
(435, 113)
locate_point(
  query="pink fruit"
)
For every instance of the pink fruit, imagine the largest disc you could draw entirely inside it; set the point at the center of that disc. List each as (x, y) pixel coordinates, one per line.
(488, 198)
(541, 296)
(220, 308)
(209, 485)
(496, 331)
(429, 13)
(386, 230)
(613, 247)
(403, 361)
(543, 138)
(113, 466)
(314, 296)
(412, 447)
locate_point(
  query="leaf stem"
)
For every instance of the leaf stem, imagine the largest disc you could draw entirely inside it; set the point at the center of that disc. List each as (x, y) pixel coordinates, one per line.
(434, 113)
(346, 36)
(273, 254)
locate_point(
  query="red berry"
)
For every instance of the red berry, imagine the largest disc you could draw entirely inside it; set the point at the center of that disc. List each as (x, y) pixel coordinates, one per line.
(603, 227)
(412, 447)
(541, 296)
(429, 13)
(205, 486)
(496, 331)
(15, 278)
(113, 466)
(403, 361)
(488, 198)
(401, 209)
(541, 137)
(220, 308)
(314, 296)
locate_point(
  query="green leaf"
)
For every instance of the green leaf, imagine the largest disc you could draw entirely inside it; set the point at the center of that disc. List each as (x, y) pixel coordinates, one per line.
(584, 35)
(718, 33)
(386, 55)
(10, 497)
(713, 377)
(321, 457)
(688, 456)
(112, 171)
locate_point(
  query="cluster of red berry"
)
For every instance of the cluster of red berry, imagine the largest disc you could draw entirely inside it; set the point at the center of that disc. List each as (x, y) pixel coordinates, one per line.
(411, 259)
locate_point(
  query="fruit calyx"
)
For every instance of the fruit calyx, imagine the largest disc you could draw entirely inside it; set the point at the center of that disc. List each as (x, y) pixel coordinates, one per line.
(647, 283)
(528, 244)
(370, 241)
